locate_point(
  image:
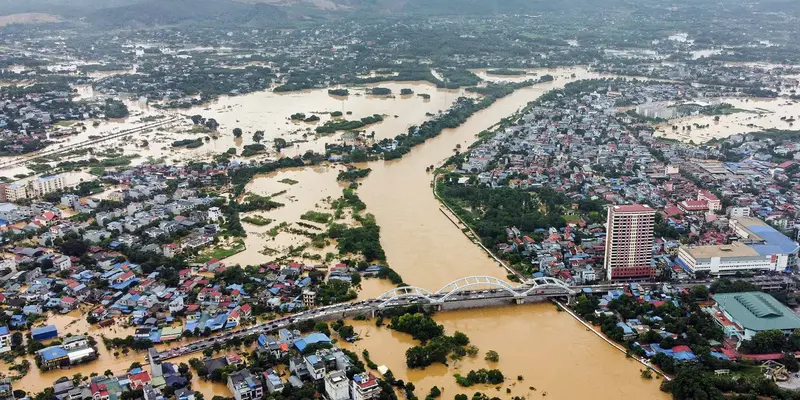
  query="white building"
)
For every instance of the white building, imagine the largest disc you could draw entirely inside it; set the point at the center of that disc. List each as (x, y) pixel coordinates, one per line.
(629, 242)
(274, 382)
(214, 214)
(364, 387)
(244, 386)
(738, 212)
(62, 263)
(315, 366)
(760, 248)
(336, 386)
(309, 298)
(75, 342)
(5, 339)
(724, 259)
(587, 274)
(15, 192)
(48, 184)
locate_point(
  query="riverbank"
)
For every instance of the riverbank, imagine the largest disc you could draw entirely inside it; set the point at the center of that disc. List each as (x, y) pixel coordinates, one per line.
(589, 326)
(536, 342)
(471, 234)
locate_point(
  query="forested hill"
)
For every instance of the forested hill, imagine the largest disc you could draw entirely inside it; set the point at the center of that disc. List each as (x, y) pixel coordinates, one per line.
(171, 12)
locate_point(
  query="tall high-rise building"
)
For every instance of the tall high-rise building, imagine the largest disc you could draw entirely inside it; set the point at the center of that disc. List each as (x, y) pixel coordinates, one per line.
(629, 242)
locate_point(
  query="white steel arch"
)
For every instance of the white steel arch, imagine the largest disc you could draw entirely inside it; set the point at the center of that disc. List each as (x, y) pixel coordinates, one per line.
(532, 286)
(543, 283)
(402, 293)
(463, 284)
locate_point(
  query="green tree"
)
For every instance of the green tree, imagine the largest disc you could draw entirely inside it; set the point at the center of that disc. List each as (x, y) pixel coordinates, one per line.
(421, 327)
(700, 292)
(322, 327)
(237, 132)
(770, 341)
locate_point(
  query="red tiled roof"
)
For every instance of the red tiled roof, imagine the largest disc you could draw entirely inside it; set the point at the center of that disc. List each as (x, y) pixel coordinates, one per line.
(681, 349)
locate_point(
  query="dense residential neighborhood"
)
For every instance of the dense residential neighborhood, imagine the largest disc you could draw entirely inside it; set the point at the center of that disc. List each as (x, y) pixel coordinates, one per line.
(280, 200)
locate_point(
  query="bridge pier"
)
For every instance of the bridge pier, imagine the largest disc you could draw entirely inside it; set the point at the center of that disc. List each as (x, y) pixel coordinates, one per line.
(519, 299)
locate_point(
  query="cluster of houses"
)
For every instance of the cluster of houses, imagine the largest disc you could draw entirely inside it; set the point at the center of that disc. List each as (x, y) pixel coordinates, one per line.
(581, 145)
(72, 350)
(31, 117)
(327, 365)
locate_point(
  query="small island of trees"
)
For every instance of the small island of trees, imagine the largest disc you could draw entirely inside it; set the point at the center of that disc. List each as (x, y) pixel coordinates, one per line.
(338, 92)
(380, 91)
(505, 71)
(115, 109)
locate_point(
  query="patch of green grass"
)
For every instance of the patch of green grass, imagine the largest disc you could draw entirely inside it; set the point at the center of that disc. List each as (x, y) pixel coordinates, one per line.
(219, 252)
(288, 181)
(97, 171)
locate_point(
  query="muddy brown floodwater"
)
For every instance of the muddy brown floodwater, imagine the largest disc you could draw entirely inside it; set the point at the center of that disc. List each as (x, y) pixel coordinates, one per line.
(756, 115)
(421, 244)
(553, 353)
(549, 349)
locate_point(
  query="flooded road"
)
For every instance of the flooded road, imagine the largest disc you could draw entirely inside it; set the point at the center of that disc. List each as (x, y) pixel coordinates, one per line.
(74, 323)
(550, 350)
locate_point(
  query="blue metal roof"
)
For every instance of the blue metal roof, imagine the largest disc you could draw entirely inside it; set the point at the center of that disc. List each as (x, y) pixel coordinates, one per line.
(44, 329)
(777, 243)
(52, 353)
(311, 339)
(625, 328)
(3, 330)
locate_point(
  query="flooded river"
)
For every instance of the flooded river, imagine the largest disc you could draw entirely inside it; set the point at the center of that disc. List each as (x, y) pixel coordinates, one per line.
(271, 111)
(549, 349)
(421, 244)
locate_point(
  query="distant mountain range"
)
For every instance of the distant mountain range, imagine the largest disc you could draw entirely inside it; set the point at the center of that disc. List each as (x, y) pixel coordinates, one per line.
(132, 13)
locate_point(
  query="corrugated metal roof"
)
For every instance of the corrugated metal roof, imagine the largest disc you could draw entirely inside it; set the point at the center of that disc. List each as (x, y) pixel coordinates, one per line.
(757, 311)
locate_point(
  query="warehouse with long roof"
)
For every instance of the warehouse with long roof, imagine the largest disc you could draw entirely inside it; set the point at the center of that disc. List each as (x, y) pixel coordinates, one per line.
(742, 315)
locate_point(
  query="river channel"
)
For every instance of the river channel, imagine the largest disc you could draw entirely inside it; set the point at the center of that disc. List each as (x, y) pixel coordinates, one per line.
(555, 356)
(554, 353)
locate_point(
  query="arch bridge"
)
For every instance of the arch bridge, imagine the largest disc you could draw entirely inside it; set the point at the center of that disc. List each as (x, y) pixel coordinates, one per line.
(470, 287)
